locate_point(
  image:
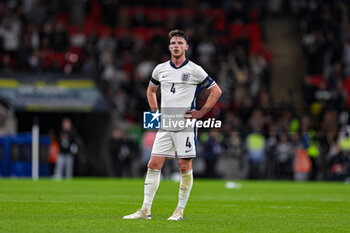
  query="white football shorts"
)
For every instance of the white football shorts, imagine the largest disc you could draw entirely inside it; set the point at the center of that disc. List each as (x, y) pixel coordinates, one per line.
(182, 144)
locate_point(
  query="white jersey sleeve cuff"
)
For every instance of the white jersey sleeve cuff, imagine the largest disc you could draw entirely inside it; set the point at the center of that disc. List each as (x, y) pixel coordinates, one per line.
(211, 85)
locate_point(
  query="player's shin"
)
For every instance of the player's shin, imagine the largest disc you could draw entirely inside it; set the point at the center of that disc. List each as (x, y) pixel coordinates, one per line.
(185, 188)
(151, 185)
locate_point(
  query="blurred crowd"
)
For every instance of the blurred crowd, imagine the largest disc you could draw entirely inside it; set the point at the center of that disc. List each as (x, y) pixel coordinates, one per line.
(118, 43)
(326, 87)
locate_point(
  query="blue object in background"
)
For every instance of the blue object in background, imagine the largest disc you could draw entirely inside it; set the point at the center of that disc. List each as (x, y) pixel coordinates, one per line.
(16, 155)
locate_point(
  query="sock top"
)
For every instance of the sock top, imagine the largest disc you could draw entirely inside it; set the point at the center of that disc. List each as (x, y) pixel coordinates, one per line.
(189, 171)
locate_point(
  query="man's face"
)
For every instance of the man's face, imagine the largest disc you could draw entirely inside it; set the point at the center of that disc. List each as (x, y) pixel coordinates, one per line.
(67, 124)
(178, 46)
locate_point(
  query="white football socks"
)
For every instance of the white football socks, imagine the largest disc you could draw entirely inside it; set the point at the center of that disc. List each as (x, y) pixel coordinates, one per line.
(185, 188)
(151, 185)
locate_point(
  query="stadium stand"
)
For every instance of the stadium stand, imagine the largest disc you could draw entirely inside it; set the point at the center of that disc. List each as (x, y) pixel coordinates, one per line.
(119, 43)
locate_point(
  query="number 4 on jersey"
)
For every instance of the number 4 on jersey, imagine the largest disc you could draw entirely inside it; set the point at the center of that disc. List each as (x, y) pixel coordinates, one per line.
(188, 143)
(172, 89)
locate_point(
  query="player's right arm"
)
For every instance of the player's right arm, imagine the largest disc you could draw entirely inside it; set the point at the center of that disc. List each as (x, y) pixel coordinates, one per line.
(152, 97)
(152, 90)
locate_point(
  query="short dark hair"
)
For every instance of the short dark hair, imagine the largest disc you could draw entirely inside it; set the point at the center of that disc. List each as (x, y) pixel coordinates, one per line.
(178, 33)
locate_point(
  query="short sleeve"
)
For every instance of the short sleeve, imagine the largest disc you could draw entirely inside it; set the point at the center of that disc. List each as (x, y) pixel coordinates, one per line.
(201, 74)
(208, 82)
(204, 78)
(155, 77)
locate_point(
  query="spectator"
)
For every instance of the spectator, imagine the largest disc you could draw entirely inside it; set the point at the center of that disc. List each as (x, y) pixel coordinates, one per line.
(7, 119)
(78, 39)
(35, 60)
(255, 144)
(338, 163)
(54, 151)
(271, 153)
(123, 151)
(10, 32)
(34, 36)
(114, 148)
(107, 43)
(212, 149)
(114, 77)
(59, 39)
(68, 150)
(35, 13)
(7, 64)
(301, 164)
(26, 52)
(284, 153)
(205, 51)
(235, 149)
(344, 143)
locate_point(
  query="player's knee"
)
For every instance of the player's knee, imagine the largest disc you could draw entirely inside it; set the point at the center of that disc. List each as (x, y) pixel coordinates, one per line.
(184, 167)
(155, 164)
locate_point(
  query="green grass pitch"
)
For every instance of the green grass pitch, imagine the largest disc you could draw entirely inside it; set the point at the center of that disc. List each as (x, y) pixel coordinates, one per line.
(98, 205)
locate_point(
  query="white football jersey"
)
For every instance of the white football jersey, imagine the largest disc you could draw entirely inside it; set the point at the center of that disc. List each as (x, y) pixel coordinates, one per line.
(179, 87)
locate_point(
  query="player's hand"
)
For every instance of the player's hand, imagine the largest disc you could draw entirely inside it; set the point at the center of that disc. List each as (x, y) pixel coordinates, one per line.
(193, 114)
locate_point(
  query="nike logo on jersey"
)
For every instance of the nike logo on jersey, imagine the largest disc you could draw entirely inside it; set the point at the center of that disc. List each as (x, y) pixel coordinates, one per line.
(187, 151)
(164, 76)
(147, 183)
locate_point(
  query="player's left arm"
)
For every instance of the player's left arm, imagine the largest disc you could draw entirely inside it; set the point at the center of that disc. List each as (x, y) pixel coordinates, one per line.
(214, 95)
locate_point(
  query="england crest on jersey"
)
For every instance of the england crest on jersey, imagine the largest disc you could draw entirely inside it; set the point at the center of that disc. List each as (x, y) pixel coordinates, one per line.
(185, 77)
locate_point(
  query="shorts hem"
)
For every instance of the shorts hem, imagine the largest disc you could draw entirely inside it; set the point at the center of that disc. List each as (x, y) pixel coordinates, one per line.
(186, 156)
(173, 156)
(163, 155)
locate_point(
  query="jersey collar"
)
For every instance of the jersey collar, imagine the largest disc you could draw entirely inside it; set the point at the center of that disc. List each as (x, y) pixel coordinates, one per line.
(183, 64)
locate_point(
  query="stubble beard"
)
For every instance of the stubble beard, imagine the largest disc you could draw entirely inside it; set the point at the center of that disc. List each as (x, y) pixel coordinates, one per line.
(178, 56)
